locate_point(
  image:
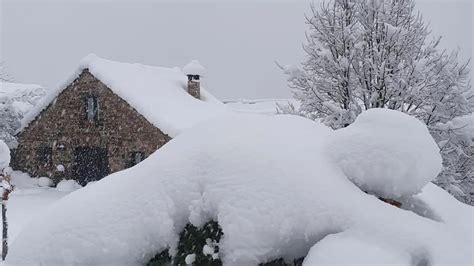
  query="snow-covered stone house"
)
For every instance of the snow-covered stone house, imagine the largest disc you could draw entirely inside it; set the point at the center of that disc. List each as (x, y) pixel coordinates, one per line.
(109, 116)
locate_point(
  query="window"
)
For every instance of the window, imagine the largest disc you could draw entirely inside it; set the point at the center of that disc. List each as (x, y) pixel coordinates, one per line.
(92, 109)
(136, 157)
(45, 155)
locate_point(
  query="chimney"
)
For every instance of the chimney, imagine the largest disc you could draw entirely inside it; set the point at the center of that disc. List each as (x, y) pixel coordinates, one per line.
(194, 71)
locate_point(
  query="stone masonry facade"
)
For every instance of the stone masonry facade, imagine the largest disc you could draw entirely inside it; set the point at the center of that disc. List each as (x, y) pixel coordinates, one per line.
(49, 145)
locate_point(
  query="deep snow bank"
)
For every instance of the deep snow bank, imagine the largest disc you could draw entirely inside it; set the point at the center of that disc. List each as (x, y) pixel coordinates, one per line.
(387, 153)
(268, 181)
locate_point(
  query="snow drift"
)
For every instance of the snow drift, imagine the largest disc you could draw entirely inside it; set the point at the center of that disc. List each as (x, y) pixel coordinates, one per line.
(274, 186)
(387, 153)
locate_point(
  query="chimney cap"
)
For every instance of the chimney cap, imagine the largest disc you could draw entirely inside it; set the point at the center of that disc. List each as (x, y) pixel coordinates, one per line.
(194, 68)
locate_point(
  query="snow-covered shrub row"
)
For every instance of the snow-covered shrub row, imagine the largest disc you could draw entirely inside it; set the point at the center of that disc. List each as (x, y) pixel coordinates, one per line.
(276, 191)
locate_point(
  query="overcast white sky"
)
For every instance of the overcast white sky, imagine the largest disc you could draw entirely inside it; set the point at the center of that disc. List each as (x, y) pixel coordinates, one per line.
(237, 41)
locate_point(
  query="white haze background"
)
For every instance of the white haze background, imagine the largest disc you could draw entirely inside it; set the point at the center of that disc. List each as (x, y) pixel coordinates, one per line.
(238, 42)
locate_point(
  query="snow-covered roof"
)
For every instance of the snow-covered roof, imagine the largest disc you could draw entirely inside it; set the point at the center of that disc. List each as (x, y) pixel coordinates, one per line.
(194, 68)
(158, 93)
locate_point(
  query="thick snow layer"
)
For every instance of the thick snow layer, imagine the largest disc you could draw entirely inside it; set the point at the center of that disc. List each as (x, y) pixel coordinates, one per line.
(341, 249)
(194, 68)
(26, 201)
(387, 153)
(270, 183)
(158, 93)
(4, 155)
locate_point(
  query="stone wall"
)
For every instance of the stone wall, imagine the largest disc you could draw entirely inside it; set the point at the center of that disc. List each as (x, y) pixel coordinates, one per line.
(194, 88)
(63, 126)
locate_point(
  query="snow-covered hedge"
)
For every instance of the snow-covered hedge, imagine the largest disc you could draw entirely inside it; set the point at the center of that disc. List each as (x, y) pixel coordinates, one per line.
(276, 190)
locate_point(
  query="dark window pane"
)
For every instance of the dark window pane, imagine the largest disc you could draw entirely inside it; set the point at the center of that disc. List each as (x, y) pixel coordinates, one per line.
(92, 108)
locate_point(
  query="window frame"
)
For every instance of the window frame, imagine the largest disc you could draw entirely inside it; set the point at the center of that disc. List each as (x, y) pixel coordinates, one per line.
(95, 106)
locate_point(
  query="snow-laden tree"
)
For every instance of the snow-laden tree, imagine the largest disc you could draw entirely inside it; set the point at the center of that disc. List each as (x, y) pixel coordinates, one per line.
(9, 124)
(3, 73)
(324, 87)
(379, 54)
(15, 101)
(456, 141)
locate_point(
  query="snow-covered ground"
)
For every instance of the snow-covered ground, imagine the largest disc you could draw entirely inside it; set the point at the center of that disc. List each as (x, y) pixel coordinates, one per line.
(258, 106)
(28, 200)
(279, 186)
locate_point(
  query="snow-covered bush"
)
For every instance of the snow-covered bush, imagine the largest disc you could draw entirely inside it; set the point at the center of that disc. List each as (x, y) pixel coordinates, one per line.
(68, 185)
(199, 246)
(387, 153)
(272, 186)
(45, 182)
(15, 101)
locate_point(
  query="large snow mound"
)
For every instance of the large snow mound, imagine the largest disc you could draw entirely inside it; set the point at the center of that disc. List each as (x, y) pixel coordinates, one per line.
(387, 153)
(341, 249)
(158, 93)
(270, 183)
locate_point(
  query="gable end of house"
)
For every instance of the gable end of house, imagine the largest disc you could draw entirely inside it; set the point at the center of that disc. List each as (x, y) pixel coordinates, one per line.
(85, 133)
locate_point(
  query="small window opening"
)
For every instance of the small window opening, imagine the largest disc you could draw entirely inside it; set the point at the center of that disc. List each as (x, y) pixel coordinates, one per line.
(92, 109)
